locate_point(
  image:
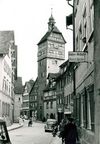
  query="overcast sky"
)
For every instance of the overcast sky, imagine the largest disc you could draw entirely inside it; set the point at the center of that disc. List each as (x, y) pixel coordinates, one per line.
(28, 19)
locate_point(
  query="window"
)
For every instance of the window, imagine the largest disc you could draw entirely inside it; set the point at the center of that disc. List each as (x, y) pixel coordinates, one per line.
(91, 15)
(85, 108)
(91, 95)
(9, 88)
(84, 26)
(4, 81)
(51, 105)
(42, 74)
(7, 85)
(77, 43)
(35, 105)
(77, 2)
(91, 3)
(40, 63)
(80, 37)
(47, 116)
(51, 51)
(39, 53)
(25, 90)
(47, 105)
(60, 53)
(54, 62)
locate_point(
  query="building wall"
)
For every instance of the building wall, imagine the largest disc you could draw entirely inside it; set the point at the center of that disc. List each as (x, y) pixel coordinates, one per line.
(17, 107)
(25, 104)
(50, 99)
(53, 65)
(1, 71)
(84, 73)
(25, 98)
(68, 97)
(5, 88)
(97, 69)
(50, 110)
(33, 97)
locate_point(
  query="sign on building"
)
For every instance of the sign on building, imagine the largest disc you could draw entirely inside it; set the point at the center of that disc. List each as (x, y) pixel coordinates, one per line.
(77, 56)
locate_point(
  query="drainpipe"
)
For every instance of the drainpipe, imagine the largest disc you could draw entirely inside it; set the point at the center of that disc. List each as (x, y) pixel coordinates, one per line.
(74, 81)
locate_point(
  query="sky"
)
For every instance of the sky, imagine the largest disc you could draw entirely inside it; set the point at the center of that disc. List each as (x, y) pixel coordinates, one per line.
(29, 21)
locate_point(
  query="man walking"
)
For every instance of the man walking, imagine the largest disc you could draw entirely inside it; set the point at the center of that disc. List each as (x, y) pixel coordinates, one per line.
(70, 132)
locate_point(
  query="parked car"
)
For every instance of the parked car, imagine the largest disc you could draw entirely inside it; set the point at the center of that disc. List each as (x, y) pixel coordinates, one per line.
(4, 136)
(50, 123)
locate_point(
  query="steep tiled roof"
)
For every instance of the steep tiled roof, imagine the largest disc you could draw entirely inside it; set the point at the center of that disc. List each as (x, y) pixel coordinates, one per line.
(18, 86)
(45, 37)
(5, 38)
(34, 84)
(56, 30)
(29, 85)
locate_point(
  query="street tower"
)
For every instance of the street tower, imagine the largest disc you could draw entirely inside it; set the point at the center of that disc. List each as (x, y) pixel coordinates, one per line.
(51, 54)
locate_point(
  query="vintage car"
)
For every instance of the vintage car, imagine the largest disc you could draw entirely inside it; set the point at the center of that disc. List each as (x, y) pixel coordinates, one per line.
(50, 123)
(4, 136)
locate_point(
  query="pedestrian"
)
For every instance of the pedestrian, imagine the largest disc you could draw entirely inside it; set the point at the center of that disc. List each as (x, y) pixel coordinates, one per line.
(61, 129)
(70, 132)
(30, 122)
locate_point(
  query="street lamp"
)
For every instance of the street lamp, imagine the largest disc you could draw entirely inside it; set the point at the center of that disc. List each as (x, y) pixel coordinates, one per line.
(69, 3)
(69, 18)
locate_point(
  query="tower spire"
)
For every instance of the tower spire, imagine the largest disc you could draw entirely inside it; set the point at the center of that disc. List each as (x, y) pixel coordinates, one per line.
(51, 22)
(51, 11)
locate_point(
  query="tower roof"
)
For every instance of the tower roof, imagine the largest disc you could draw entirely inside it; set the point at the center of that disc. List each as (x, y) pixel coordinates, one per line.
(51, 22)
(51, 29)
(45, 37)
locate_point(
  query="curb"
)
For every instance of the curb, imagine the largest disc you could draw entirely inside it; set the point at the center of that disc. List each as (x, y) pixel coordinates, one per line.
(10, 129)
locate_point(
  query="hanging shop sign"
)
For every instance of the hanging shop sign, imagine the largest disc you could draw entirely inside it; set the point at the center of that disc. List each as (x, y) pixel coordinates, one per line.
(59, 110)
(77, 56)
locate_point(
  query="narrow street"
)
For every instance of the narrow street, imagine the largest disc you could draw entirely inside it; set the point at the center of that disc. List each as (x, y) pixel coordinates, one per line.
(31, 135)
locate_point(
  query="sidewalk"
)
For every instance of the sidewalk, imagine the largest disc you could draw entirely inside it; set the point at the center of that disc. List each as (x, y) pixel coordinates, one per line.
(14, 126)
(56, 140)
